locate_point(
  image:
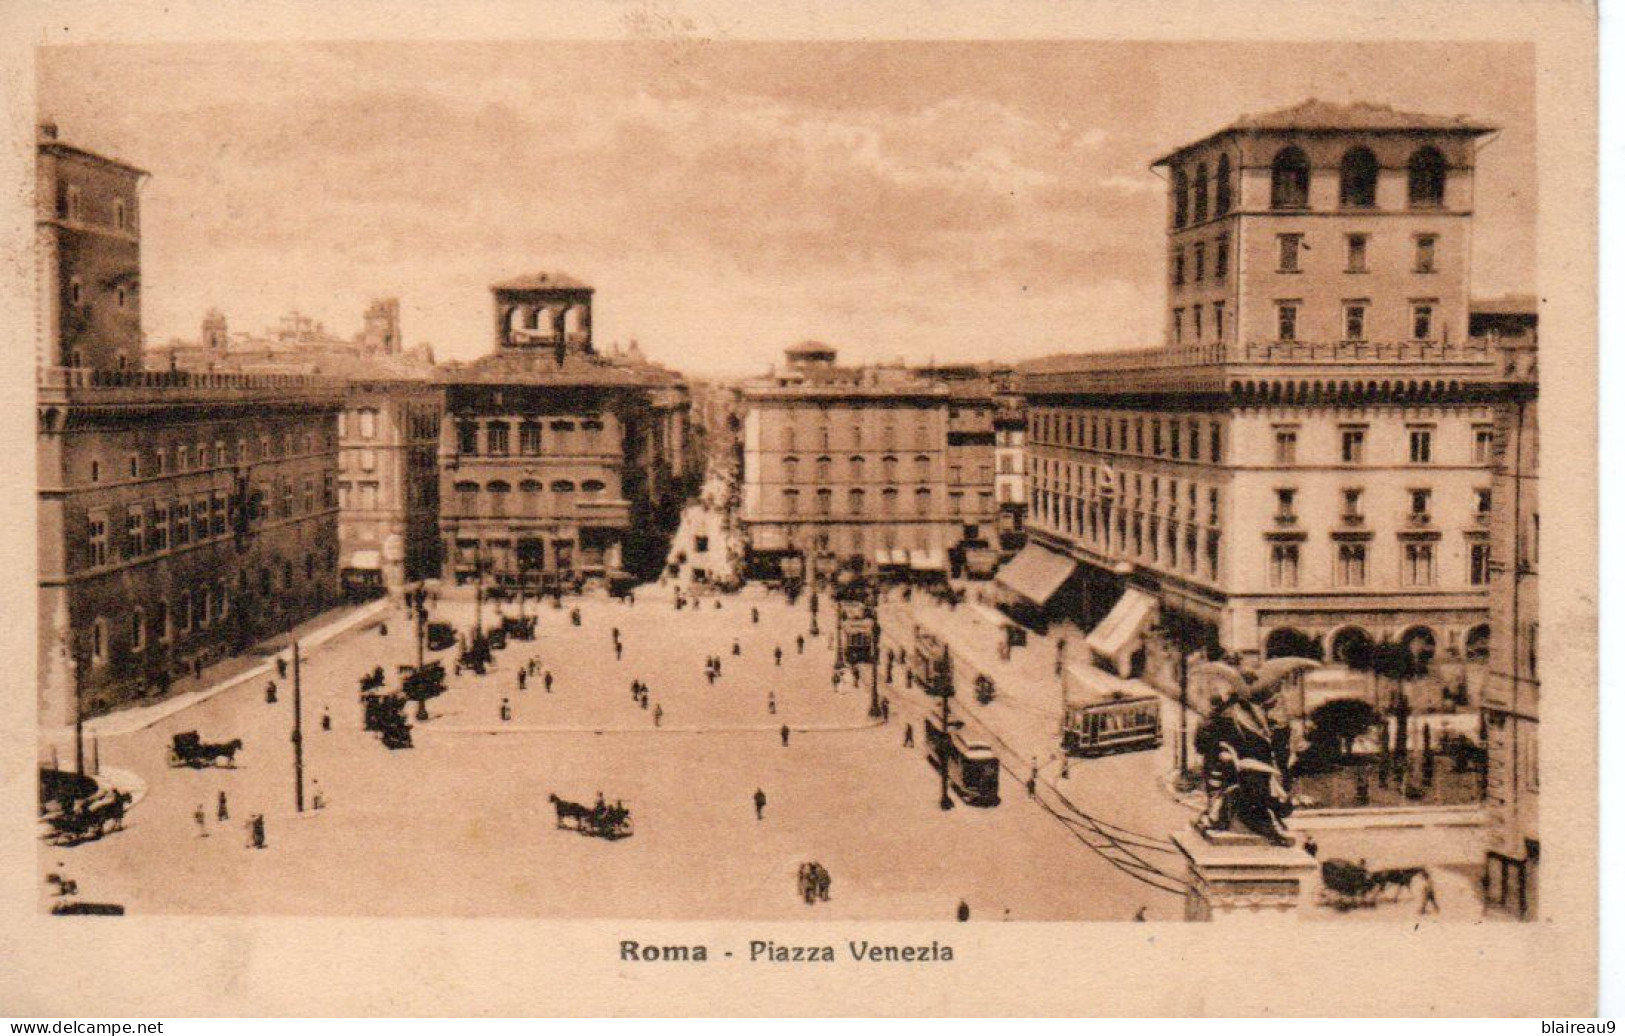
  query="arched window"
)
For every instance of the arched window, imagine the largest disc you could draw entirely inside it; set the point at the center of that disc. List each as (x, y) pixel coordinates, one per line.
(857, 469)
(1181, 197)
(498, 487)
(922, 468)
(1358, 188)
(922, 500)
(498, 492)
(823, 469)
(592, 485)
(792, 469)
(1199, 194)
(1221, 187)
(563, 486)
(1427, 171)
(888, 466)
(467, 487)
(1289, 179)
(854, 501)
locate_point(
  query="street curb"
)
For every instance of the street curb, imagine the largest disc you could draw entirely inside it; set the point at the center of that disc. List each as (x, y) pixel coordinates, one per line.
(510, 728)
(142, 719)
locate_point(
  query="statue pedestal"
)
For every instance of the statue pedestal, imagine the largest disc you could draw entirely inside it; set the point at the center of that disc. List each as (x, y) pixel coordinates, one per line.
(1241, 876)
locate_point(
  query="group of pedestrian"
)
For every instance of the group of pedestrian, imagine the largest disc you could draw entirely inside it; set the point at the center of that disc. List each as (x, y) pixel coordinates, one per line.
(713, 668)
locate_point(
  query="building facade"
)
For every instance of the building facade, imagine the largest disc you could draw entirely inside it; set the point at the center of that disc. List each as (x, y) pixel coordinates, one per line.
(88, 246)
(1010, 473)
(555, 460)
(389, 482)
(843, 464)
(181, 517)
(1512, 690)
(1303, 468)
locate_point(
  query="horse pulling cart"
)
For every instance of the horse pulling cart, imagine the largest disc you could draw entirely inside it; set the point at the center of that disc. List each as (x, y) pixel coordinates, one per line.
(610, 822)
(187, 749)
(83, 819)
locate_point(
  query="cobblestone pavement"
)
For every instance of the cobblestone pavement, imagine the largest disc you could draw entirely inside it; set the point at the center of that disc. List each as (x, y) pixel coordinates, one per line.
(461, 824)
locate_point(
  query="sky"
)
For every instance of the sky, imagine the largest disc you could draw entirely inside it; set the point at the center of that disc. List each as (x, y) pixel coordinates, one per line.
(948, 201)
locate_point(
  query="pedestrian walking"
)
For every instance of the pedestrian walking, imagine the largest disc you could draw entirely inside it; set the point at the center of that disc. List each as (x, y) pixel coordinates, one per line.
(383, 629)
(854, 676)
(760, 798)
(784, 735)
(1139, 915)
(772, 704)
(963, 913)
(521, 679)
(736, 647)
(658, 714)
(835, 679)
(643, 702)
(615, 634)
(270, 693)
(221, 813)
(281, 667)
(1428, 896)
(778, 655)
(317, 799)
(710, 676)
(256, 831)
(1032, 780)
(908, 735)
(1311, 846)
(202, 819)
(885, 710)
(801, 643)
(547, 681)
(755, 616)
(532, 666)
(327, 719)
(506, 711)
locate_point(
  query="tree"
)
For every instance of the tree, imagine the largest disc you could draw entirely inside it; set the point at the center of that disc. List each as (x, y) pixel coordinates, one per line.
(1340, 721)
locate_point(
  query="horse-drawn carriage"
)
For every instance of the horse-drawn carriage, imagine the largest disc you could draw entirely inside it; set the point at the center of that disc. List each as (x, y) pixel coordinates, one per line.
(82, 819)
(385, 714)
(440, 636)
(1346, 885)
(600, 820)
(477, 654)
(188, 749)
(519, 628)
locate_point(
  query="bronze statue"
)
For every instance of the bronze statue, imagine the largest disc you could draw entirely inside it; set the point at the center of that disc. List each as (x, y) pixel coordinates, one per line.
(1246, 751)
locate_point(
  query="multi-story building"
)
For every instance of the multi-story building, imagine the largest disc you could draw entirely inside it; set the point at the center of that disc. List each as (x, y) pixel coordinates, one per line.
(1303, 468)
(88, 246)
(389, 481)
(1010, 459)
(181, 517)
(1512, 689)
(555, 459)
(864, 463)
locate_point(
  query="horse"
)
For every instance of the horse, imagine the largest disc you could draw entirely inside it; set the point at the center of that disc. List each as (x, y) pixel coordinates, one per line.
(1399, 879)
(567, 810)
(226, 750)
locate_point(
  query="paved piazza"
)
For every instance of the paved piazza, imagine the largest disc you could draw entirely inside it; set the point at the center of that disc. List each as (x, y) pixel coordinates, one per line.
(461, 825)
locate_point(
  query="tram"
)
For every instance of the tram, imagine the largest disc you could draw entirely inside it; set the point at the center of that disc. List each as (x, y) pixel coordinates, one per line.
(1112, 722)
(972, 768)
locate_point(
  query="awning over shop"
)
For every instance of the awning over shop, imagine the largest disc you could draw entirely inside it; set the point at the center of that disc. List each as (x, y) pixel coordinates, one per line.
(928, 561)
(1117, 637)
(370, 560)
(1036, 574)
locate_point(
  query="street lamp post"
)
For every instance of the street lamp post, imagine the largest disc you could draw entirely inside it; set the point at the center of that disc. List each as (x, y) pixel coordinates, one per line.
(298, 737)
(78, 712)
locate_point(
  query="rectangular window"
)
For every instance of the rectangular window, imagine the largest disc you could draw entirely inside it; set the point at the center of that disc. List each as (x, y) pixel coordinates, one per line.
(1286, 321)
(158, 527)
(1353, 446)
(1353, 505)
(1350, 564)
(1286, 446)
(1483, 444)
(1199, 258)
(217, 514)
(468, 438)
(1426, 251)
(1289, 245)
(1421, 445)
(1221, 257)
(1354, 320)
(369, 423)
(98, 539)
(1179, 326)
(1478, 573)
(496, 441)
(1215, 444)
(181, 515)
(530, 439)
(1218, 321)
(200, 519)
(1356, 246)
(1421, 506)
(1284, 565)
(1196, 323)
(1417, 569)
(1285, 505)
(1422, 321)
(1482, 499)
(1179, 267)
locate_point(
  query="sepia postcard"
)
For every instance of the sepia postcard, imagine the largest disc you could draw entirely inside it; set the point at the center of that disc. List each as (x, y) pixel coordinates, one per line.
(695, 508)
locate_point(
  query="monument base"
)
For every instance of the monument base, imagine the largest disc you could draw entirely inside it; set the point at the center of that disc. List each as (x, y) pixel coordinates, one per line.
(1240, 875)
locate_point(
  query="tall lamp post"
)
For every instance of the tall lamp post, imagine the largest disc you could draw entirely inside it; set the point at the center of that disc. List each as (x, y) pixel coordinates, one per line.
(298, 737)
(873, 603)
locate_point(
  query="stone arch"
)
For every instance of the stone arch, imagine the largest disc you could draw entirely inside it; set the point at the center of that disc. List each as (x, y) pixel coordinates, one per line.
(1350, 645)
(1421, 641)
(1477, 643)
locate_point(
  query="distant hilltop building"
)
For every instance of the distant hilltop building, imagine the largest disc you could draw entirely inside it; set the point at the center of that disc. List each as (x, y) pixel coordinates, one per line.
(296, 338)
